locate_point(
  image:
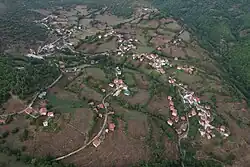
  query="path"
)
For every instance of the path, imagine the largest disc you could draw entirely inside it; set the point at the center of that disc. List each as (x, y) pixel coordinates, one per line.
(34, 99)
(99, 133)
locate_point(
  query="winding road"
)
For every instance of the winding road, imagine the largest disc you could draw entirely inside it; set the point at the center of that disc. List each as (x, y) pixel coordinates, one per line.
(34, 98)
(99, 133)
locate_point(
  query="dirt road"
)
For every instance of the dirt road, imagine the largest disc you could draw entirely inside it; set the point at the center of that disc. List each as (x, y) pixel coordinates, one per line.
(99, 133)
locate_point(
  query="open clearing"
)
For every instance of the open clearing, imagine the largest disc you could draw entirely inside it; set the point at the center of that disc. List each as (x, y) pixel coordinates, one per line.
(96, 73)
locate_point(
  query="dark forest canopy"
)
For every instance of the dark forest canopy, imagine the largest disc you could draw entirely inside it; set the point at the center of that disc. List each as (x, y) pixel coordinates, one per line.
(24, 77)
(223, 28)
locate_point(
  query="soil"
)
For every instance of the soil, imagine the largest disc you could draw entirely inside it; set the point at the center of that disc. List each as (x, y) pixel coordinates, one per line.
(117, 149)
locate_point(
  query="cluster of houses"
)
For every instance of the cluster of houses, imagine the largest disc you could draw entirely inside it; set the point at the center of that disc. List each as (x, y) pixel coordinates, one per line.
(119, 86)
(111, 126)
(189, 70)
(197, 109)
(155, 61)
(175, 118)
(43, 111)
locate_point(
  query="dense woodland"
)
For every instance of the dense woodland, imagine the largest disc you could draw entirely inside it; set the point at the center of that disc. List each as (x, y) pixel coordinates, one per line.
(23, 77)
(223, 28)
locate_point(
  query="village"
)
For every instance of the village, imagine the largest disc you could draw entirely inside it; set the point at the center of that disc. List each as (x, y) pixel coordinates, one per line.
(126, 46)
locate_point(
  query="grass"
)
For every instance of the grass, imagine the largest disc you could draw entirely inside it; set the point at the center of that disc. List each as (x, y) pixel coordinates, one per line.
(145, 49)
(64, 105)
(10, 161)
(129, 79)
(96, 73)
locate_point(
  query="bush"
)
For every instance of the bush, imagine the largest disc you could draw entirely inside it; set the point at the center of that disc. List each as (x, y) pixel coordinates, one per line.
(24, 136)
(15, 130)
(5, 134)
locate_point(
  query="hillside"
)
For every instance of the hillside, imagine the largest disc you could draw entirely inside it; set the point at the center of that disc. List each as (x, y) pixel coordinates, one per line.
(125, 83)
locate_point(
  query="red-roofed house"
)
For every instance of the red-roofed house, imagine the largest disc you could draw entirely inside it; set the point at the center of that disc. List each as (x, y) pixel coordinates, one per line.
(171, 108)
(111, 126)
(50, 114)
(43, 111)
(171, 103)
(100, 106)
(120, 81)
(174, 113)
(2, 121)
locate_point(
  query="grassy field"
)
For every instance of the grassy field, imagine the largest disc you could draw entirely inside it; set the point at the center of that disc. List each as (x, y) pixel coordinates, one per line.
(96, 73)
(64, 105)
(10, 161)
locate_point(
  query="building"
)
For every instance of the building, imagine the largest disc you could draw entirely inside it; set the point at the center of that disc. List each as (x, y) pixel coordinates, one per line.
(42, 95)
(101, 106)
(43, 111)
(127, 92)
(96, 142)
(111, 126)
(50, 114)
(45, 123)
(2, 121)
(170, 122)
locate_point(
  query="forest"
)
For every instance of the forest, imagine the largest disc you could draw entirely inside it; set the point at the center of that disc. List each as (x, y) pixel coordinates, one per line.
(223, 28)
(23, 77)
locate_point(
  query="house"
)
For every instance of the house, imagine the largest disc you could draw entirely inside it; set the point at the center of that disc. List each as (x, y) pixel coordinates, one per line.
(170, 122)
(101, 106)
(222, 128)
(193, 112)
(45, 123)
(120, 81)
(2, 121)
(126, 92)
(171, 103)
(96, 142)
(111, 126)
(208, 136)
(43, 111)
(111, 85)
(169, 98)
(176, 119)
(41, 95)
(174, 113)
(50, 114)
(183, 118)
(171, 108)
(202, 132)
(116, 81)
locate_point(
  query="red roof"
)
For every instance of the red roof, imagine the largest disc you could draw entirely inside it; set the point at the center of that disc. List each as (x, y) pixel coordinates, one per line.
(111, 126)
(171, 103)
(171, 108)
(100, 106)
(120, 81)
(43, 111)
(2, 121)
(169, 97)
